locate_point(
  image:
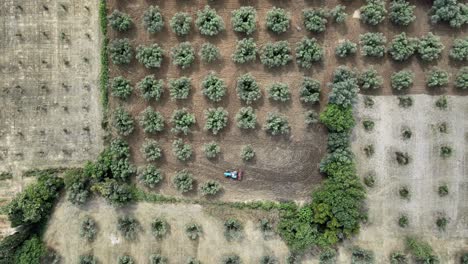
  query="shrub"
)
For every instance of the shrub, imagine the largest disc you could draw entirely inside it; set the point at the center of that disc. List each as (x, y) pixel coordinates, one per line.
(153, 20)
(246, 51)
(402, 80)
(362, 256)
(368, 102)
(337, 119)
(216, 119)
(338, 13)
(279, 92)
(373, 13)
(402, 158)
(213, 87)
(210, 188)
(443, 127)
(182, 151)
(123, 122)
(449, 11)
(180, 88)
(308, 51)
(182, 120)
(404, 193)
(276, 124)
(402, 47)
(369, 150)
(209, 53)
(459, 49)
(157, 259)
(211, 150)
(151, 121)
(159, 228)
(128, 227)
(209, 22)
(88, 229)
(402, 12)
(315, 20)
(181, 23)
(369, 180)
(464, 258)
(269, 260)
(30, 251)
(244, 20)
(247, 88)
(344, 87)
(442, 103)
(151, 150)
(150, 88)
(345, 48)
(247, 153)
(309, 91)
(443, 190)
(121, 87)
(183, 55)
(327, 256)
(150, 56)
(120, 21)
(246, 118)
(421, 250)
(87, 259)
(193, 231)
(445, 151)
(150, 176)
(183, 181)
(266, 227)
(437, 78)
(370, 79)
(115, 192)
(125, 260)
(368, 125)
(232, 259)
(77, 185)
(373, 44)
(120, 51)
(405, 101)
(403, 220)
(461, 80)
(232, 229)
(311, 117)
(192, 260)
(430, 47)
(398, 258)
(276, 54)
(278, 20)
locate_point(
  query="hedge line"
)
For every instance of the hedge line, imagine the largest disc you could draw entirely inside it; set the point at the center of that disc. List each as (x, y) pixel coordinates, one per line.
(104, 73)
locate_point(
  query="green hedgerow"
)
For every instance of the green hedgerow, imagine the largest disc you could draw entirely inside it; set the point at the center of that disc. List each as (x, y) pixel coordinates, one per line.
(128, 227)
(182, 120)
(248, 89)
(244, 20)
(123, 122)
(373, 13)
(337, 119)
(211, 150)
(402, 47)
(370, 79)
(120, 51)
(437, 78)
(338, 13)
(402, 80)
(345, 48)
(308, 51)
(309, 91)
(430, 47)
(209, 23)
(150, 88)
(461, 80)
(279, 92)
(151, 121)
(209, 53)
(373, 44)
(276, 54)
(183, 181)
(233, 229)
(125, 260)
(276, 124)
(193, 231)
(246, 118)
(120, 21)
(213, 87)
(88, 229)
(315, 20)
(459, 49)
(246, 51)
(247, 153)
(181, 23)
(183, 55)
(179, 89)
(278, 20)
(216, 119)
(153, 20)
(121, 87)
(158, 259)
(182, 151)
(402, 12)
(210, 188)
(159, 227)
(150, 56)
(151, 150)
(150, 176)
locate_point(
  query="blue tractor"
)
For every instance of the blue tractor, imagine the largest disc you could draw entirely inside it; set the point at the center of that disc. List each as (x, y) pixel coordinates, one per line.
(234, 174)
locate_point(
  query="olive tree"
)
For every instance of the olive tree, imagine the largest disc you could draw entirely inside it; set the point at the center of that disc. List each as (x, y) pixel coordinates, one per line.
(151, 121)
(402, 80)
(279, 92)
(244, 20)
(216, 119)
(121, 87)
(248, 89)
(459, 49)
(150, 56)
(246, 51)
(430, 47)
(182, 120)
(373, 13)
(183, 181)
(402, 47)
(151, 150)
(309, 91)
(123, 122)
(372, 44)
(209, 53)
(402, 12)
(181, 23)
(276, 124)
(437, 78)
(153, 19)
(338, 14)
(461, 80)
(449, 11)
(247, 153)
(308, 51)
(211, 150)
(120, 51)
(370, 79)
(183, 151)
(276, 54)
(179, 89)
(345, 48)
(120, 21)
(128, 227)
(213, 87)
(315, 20)
(278, 20)
(246, 118)
(150, 88)
(183, 55)
(210, 188)
(208, 22)
(150, 176)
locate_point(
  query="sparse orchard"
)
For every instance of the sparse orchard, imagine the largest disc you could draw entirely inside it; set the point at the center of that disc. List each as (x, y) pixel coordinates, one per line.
(311, 118)
(87, 259)
(268, 260)
(231, 259)
(158, 259)
(461, 80)
(449, 11)
(398, 258)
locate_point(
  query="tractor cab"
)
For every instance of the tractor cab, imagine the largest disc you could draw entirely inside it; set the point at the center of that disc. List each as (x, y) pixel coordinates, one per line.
(233, 174)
